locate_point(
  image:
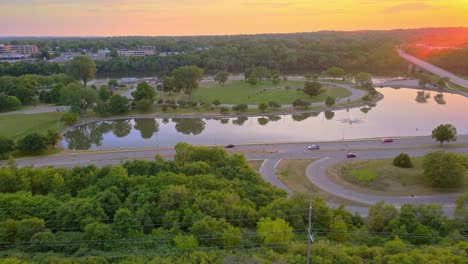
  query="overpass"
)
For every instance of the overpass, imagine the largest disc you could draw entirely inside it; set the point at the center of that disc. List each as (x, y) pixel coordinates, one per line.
(433, 69)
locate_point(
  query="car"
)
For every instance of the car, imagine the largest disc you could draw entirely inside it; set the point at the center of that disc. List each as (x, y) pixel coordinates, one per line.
(229, 146)
(351, 155)
(311, 147)
(387, 140)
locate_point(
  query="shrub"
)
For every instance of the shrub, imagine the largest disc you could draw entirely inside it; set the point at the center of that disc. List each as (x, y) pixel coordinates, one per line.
(262, 107)
(329, 101)
(69, 118)
(240, 108)
(32, 143)
(366, 98)
(299, 103)
(273, 105)
(224, 110)
(182, 103)
(216, 102)
(160, 101)
(403, 161)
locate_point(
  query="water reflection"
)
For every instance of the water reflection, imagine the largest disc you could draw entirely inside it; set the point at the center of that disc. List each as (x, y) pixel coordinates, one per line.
(189, 126)
(329, 115)
(398, 114)
(146, 126)
(439, 98)
(422, 97)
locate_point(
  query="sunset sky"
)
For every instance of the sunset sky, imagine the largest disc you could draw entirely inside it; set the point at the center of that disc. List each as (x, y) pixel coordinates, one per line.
(218, 17)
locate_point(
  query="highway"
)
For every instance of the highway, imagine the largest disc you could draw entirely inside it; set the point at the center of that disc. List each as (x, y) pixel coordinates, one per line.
(433, 69)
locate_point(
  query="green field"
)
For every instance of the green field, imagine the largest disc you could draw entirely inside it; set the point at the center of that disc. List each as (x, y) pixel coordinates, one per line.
(381, 176)
(240, 92)
(18, 125)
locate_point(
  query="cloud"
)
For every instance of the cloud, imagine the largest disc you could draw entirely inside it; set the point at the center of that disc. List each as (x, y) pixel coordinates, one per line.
(268, 4)
(406, 7)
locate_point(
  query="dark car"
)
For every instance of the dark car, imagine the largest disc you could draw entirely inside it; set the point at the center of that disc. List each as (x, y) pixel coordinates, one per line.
(229, 146)
(311, 147)
(351, 155)
(387, 140)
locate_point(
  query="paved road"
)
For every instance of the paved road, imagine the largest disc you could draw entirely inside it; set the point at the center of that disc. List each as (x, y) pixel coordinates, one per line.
(329, 154)
(434, 69)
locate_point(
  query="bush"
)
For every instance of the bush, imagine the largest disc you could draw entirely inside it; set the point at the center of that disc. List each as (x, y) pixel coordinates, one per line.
(182, 103)
(224, 110)
(273, 105)
(329, 101)
(160, 101)
(216, 102)
(69, 118)
(444, 169)
(366, 98)
(240, 108)
(299, 103)
(262, 107)
(33, 143)
(403, 161)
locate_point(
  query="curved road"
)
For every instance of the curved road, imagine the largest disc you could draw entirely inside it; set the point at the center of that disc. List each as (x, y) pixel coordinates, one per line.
(433, 69)
(329, 154)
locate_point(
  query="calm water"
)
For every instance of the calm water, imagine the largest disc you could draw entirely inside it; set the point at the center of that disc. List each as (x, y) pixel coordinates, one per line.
(403, 112)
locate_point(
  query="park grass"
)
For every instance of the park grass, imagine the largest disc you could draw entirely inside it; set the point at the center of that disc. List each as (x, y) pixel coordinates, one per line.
(256, 164)
(292, 172)
(240, 92)
(16, 126)
(383, 178)
(458, 87)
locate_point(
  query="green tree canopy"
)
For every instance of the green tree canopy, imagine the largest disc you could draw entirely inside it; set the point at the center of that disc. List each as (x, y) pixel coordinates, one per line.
(221, 77)
(444, 133)
(335, 72)
(83, 68)
(444, 169)
(187, 78)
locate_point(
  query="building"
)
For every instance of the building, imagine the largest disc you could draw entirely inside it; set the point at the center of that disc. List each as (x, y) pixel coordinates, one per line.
(141, 51)
(18, 51)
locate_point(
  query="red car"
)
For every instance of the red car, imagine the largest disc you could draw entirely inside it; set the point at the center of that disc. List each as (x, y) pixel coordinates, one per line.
(351, 155)
(387, 140)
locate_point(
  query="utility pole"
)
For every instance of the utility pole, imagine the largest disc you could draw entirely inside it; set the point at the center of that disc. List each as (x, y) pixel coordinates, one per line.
(310, 236)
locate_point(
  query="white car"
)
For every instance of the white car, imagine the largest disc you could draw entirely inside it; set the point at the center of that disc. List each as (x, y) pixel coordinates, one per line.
(312, 147)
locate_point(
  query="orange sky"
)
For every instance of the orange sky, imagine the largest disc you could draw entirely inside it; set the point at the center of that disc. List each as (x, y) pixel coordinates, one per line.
(217, 17)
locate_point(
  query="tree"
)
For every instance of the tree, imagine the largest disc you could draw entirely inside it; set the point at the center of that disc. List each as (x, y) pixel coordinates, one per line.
(442, 82)
(330, 101)
(364, 79)
(380, 214)
(144, 91)
(113, 53)
(262, 107)
(83, 68)
(260, 73)
(168, 85)
(276, 79)
(221, 77)
(338, 230)
(252, 79)
(308, 76)
(8, 103)
(80, 99)
(274, 232)
(312, 88)
(6, 146)
(444, 133)
(52, 137)
(32, 143)
(69, 118)
(187, 78)
(97, 234)
(299, 103)
(119, 104)
(335, 72)
(104, 93)
(113, 84)
(444, 169)
(403, 161)
(425, 78)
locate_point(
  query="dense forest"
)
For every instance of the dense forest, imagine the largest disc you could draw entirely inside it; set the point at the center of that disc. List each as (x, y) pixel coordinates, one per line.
(205, 206)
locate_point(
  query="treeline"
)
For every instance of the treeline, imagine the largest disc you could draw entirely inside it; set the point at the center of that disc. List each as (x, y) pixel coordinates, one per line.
(205, 206)
(452, 60)
(22, 68)
(17, 91)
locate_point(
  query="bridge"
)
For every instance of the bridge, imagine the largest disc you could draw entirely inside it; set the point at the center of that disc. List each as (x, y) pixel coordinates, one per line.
(433, 69)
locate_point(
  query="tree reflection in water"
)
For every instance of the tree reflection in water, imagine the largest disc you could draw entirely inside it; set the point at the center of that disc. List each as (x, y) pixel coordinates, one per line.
(146, 126)
(274, 118)
(329, 115)
(83, 137)
(262, 121)
(121, 128)
(422, 97)
(189, 126)
(240, 120)
(303, 116)
(439, 98)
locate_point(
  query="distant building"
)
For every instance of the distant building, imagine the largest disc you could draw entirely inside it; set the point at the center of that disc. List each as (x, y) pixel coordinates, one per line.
(25, 51)
(141, 51)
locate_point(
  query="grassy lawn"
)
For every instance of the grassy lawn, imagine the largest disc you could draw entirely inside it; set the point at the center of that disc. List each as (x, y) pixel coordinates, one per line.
(292, 172)
(383, 178)
(19, 125)
(256, 164)
(458, 87)
(240, 92)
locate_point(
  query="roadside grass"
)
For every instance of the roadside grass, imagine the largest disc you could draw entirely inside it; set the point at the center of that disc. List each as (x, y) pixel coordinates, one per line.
(292, 172)
(383, 178)
(16, 126)
(458, 87)
(240, 92)
(256, 164)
